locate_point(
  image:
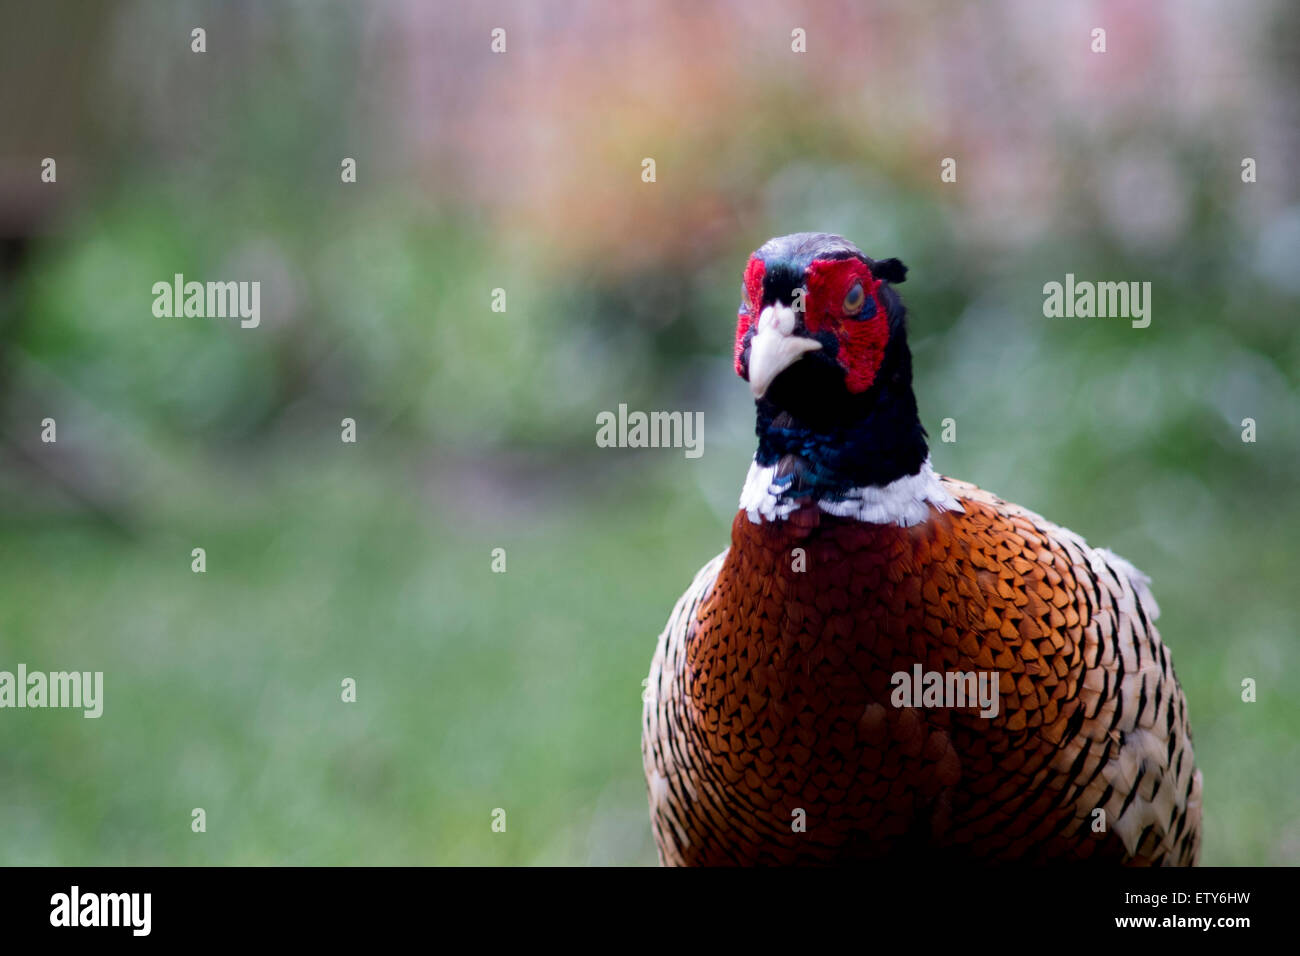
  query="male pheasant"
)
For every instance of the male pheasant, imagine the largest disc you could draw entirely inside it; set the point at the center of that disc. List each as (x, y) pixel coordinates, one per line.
(815, 697)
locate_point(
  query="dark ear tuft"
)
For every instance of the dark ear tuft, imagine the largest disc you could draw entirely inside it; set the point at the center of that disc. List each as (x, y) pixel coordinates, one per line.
(889, 270)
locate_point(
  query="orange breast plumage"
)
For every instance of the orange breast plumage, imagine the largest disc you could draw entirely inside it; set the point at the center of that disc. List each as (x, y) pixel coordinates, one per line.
(773, 731)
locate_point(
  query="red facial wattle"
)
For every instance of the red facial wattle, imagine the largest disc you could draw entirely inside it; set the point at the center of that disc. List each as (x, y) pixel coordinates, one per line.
(750, 308)
(862, 337)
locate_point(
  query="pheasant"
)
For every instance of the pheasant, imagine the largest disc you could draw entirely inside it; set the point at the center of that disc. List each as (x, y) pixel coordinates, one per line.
(887, 664)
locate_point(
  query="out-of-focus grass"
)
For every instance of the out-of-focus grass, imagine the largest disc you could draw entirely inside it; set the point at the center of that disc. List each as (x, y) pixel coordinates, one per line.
(222, 690)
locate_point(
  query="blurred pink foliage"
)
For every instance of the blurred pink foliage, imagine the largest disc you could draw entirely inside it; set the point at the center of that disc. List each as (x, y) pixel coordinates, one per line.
(551, 134)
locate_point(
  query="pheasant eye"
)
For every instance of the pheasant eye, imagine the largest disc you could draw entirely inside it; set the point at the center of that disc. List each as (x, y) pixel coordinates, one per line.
(745, 304)
(854, 301)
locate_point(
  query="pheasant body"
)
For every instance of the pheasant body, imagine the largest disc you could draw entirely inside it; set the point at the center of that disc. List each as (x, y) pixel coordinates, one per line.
(774, 731)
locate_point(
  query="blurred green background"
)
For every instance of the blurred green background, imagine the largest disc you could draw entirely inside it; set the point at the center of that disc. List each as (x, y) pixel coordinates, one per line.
(476, 429)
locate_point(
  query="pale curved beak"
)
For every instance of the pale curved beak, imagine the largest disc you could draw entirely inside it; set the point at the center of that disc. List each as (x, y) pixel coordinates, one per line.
(775, 347)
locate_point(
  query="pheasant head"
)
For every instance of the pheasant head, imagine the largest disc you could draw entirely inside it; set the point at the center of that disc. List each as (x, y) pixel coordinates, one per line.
(821, 339)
